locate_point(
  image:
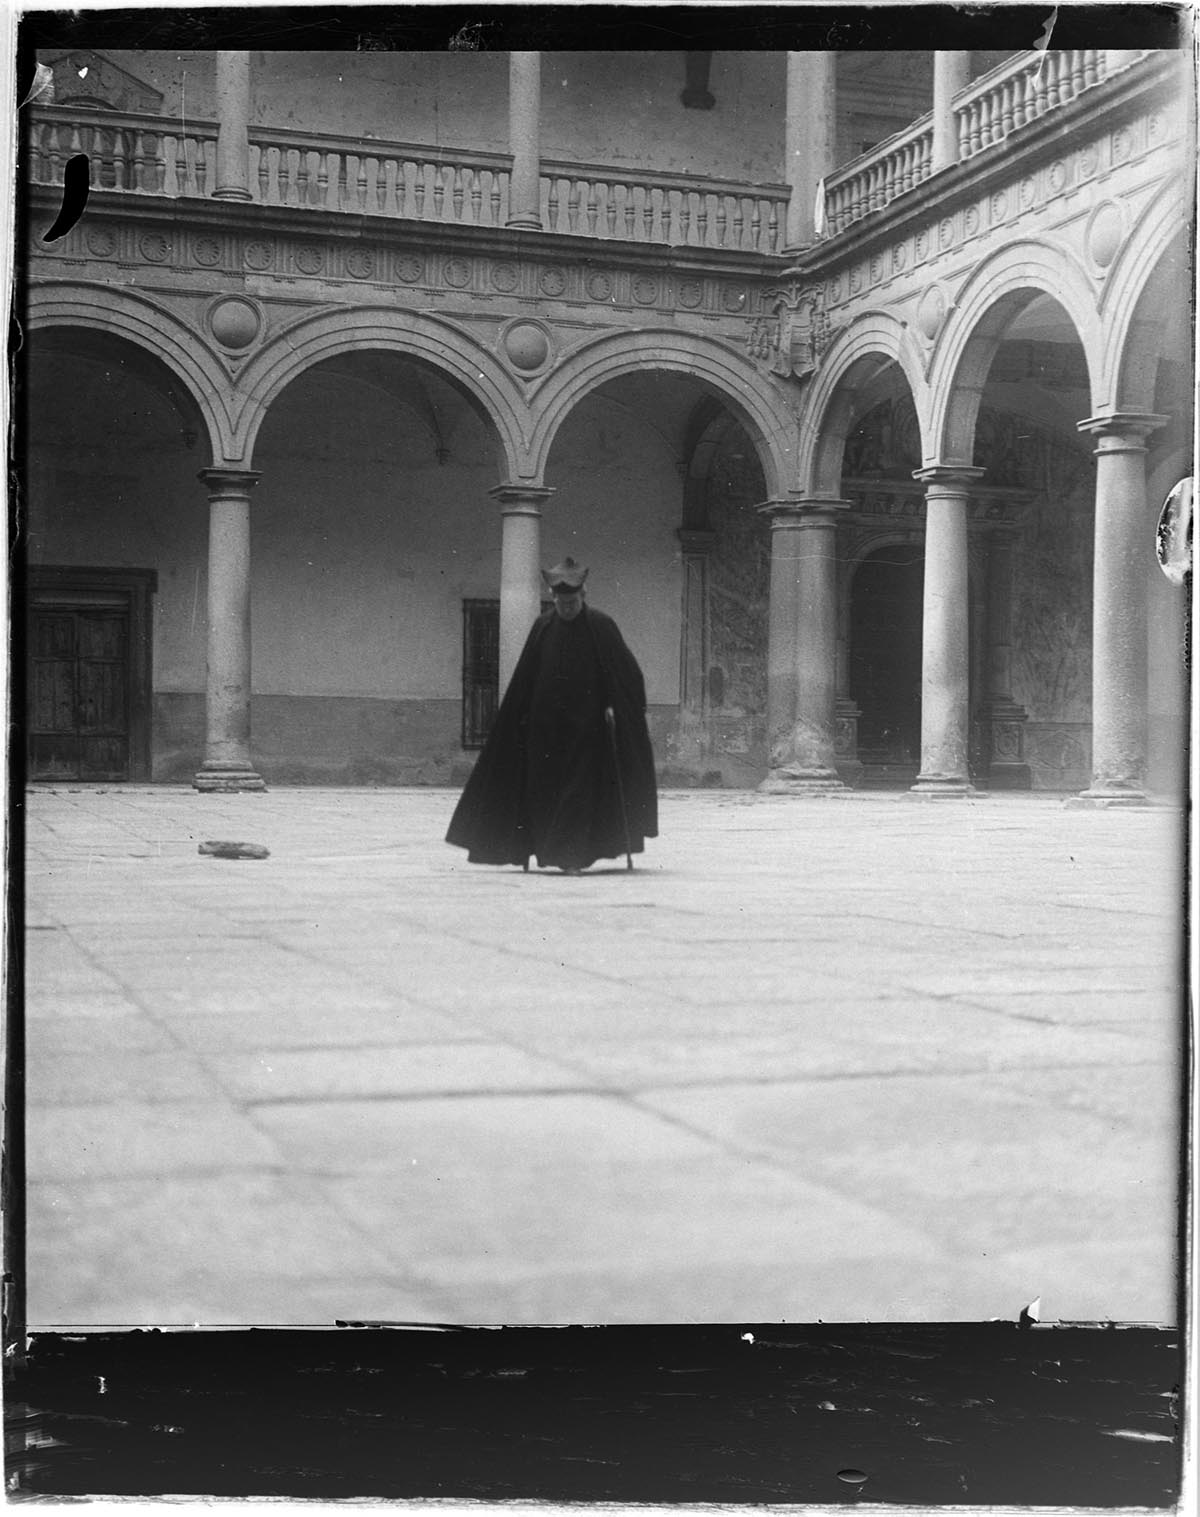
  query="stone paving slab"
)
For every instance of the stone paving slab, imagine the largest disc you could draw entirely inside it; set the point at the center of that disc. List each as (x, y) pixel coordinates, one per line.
(868, 1059)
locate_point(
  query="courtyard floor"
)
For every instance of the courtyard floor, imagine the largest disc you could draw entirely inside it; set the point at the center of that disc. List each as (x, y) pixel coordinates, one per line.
(859, 1058)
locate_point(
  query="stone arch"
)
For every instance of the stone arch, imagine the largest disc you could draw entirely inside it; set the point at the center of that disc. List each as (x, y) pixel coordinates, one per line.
(768, 420)
(874, 339)
(988, 301)
(1138, 286)
(456, 355)
(153, 328)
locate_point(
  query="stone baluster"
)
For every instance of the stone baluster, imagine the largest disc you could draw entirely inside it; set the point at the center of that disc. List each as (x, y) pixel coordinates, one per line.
(1124, 548)
(227, 763)
(802, 646)
(945, 632)
(233, 117)
(520, 568)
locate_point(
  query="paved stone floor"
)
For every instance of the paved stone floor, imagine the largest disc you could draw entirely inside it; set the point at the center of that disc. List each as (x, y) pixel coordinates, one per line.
(863, 1058)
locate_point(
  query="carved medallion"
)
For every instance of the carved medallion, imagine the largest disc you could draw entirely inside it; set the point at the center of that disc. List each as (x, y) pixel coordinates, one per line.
(945, 232)
(1058, 176)
(258, 255)
(922, 246)
(855, 280)
(309, 260)
(155, 247)
(689, 293)
(734, 298)
(102, 241)
(457, 273)
(409, 268)
(552, 281)
(1156, 127)
(526, 345)
(1122, 144)
(599, 285)
(876, 268)
(1089, 160)
(360, 263)
(644, 289)
(207, 252)
(931, 312)
(235, 322)
(1104, 233)
(999, 205)
(899, 257)
(505, 277)
(971, 220)
(1028, 192)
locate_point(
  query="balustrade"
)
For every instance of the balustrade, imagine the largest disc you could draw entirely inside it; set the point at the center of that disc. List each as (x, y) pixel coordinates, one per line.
(151, 155)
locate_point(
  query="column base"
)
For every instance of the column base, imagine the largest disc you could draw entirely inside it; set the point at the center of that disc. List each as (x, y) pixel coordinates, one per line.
(936, 788)
(801, 782)
(525, 223)
(225, 778)
(232, 192)
(1103, 797)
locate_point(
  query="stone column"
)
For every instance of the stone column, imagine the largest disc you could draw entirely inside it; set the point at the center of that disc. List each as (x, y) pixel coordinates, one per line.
(1124, 547)
(802, 646)
(810, 140)
(227, 764)
(697, 545)
(951, 73)
(524, 108)
(1004, 717)
(945, 633)
(520, 568)
(846, 709)
(233, 126)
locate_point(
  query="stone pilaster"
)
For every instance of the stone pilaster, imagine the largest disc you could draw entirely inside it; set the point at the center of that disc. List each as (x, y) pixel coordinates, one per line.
(951, 73)
(1003, 718)
(945, 633)
(1124, 546)
(809, 142)
(233, 127)
(697, 546)
(524, 110)
(802, 646)
(227, 763)
(520, 568)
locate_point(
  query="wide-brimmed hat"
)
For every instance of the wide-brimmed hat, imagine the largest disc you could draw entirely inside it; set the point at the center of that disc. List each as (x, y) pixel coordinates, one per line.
(567, 573)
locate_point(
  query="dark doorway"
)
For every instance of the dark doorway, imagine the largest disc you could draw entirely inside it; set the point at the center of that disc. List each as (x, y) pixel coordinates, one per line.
(885, 654)
(89, 674)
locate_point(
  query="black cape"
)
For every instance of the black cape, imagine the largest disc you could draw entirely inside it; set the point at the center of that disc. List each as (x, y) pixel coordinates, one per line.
(545, 784)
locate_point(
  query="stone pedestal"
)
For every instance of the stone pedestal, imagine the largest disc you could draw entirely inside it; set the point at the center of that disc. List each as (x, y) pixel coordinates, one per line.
(1124, 538)
(233, 126)
(810, 137)
(227, 764)
(524, 110)
(946, 655)
(520, 568)
(802, 647)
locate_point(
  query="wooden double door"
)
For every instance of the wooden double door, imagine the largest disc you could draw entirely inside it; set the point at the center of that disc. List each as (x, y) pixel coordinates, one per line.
(88, 675)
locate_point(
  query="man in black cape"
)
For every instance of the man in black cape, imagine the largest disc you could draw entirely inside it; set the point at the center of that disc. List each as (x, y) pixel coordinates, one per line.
(567, 773)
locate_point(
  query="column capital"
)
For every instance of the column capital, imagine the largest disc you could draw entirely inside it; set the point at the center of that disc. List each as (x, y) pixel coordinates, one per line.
(521, 500)
(951, 479)
(803, 511)
(1115, 430)
(229, 481)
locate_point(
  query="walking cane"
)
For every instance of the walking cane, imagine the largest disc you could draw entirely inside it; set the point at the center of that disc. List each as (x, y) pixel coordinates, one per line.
(610, 721)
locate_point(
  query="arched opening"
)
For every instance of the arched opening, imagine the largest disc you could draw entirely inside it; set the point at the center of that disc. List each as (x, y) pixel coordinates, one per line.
(656, 486)
(115, 549)
(375, 553)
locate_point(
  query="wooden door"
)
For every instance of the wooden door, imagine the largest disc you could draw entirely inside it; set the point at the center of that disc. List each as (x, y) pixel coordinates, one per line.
(79, 689)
